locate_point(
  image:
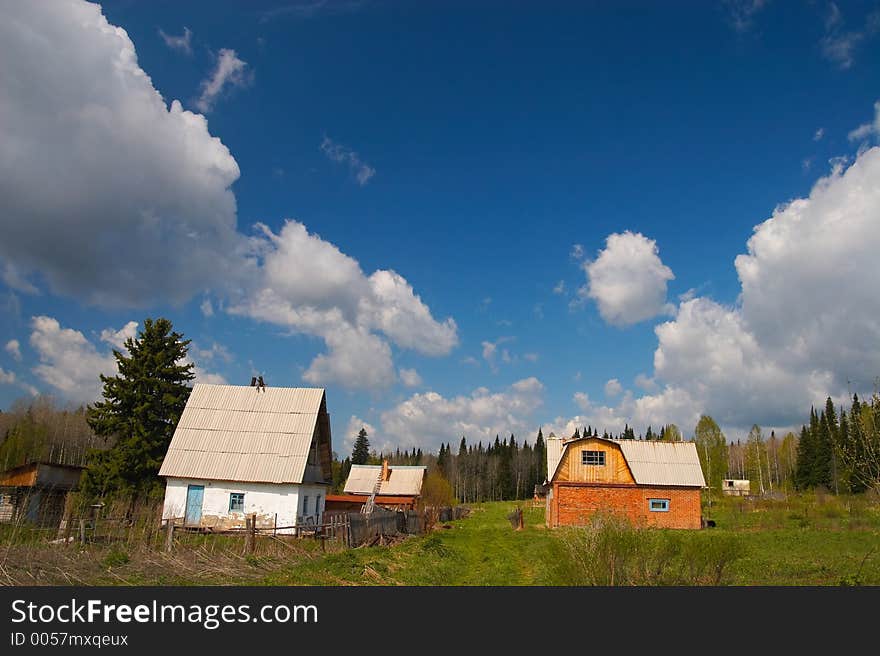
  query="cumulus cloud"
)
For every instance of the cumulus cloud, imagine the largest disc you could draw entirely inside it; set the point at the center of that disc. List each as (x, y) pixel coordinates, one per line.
(14, 349)
(577, 252)
(78, 109)
(613, 388)
(69, 362)
(310, 286)
(804, 326)
(117, 338)
(207, 308)
(429, 419)
(410, 377)
(817, 136)
(627, 280)
(182, 43)
(6, 377)
(100, 180)
(336, 152)
(229, 73)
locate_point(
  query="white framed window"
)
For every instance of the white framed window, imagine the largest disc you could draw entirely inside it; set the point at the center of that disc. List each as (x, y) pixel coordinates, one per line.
(236, 502)
(593, 458)
(658, 505)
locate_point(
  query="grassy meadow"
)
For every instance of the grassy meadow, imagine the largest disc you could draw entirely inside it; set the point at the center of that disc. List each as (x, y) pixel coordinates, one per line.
(807, 539)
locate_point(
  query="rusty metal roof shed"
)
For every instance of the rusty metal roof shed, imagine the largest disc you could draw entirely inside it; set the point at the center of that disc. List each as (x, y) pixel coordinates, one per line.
(244, 433)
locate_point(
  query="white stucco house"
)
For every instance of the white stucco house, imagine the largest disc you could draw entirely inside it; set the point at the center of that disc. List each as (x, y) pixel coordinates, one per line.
(239, 450)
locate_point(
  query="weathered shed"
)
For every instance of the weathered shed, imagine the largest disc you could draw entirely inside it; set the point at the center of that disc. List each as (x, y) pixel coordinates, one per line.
(36, 492)
(239, 450)
(399, 487)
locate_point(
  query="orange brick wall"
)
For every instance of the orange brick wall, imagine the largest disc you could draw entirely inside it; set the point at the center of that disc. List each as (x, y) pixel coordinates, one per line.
(573, 505)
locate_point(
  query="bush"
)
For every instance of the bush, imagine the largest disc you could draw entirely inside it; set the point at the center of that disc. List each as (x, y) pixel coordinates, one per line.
(610, 551)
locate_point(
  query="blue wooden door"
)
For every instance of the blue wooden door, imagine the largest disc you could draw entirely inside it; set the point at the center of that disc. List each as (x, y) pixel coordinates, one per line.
(194, 495)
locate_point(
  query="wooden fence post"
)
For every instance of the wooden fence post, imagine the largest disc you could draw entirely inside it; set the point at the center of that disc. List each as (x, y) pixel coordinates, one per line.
(82, 531)
(169, 534)
(250, 535)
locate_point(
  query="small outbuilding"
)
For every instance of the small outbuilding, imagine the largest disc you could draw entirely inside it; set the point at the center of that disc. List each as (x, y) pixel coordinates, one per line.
(651, 483)
(397, 487)
(736, 487)
(36, 492)
(242, 450)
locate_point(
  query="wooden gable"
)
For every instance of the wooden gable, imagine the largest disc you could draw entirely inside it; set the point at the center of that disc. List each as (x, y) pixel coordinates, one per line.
(572, 470)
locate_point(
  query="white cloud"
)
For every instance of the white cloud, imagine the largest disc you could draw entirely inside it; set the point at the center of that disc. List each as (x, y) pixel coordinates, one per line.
(429, 419)
(216, 352)
(627, 280)
(117, 338)
(531, 357)
(613, 388)
(100, 180)
(84, 111)
(182, 43)
(14, 349)
(72, 365)
(817, 136)
(583, 401)
(207, 308)
(6, 377)
(577, 252)
(309, 285)
(646, 383)
(803, 329)
(338, 153)
(867, 129)
(68, 361)
(410, 377)
(230, 72)
(559, 288)
(839, 46)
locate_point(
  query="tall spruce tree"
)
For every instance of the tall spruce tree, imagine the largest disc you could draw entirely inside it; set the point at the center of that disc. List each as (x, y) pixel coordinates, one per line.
(360, 453)
(141, 407)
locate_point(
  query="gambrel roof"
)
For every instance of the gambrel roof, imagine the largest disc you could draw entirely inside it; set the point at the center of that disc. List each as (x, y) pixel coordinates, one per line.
(653, 462)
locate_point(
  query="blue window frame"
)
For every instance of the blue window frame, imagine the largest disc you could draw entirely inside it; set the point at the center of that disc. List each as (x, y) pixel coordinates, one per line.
(236, 502)
(658, 505)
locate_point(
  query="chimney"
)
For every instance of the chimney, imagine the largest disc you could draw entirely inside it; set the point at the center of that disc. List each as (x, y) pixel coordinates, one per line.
(253, 381)
(385, 472)
(261, 384)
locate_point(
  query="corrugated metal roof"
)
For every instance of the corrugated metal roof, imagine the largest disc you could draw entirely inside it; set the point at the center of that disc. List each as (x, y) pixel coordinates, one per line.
(663, 463)
(554, 455)
(656, 463)
(402, 480)
(242, 433)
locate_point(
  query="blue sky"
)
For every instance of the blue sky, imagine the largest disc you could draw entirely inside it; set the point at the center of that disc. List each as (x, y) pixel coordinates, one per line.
(459, 218)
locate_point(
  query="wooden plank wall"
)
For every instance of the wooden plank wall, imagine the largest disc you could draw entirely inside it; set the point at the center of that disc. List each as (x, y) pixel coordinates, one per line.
(615, 469)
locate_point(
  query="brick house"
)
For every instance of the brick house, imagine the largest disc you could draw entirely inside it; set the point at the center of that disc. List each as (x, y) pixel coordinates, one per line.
(652, 483)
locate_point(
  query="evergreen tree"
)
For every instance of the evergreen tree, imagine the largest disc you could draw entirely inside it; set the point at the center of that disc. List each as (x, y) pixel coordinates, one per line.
(140, 408)
(360, 454)
(540, 457)
(649, 435)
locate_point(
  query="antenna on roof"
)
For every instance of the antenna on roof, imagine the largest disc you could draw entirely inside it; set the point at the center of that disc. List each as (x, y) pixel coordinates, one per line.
(261, 384)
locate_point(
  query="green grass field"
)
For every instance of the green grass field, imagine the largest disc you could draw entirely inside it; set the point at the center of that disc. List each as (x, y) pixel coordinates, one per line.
(816, 540)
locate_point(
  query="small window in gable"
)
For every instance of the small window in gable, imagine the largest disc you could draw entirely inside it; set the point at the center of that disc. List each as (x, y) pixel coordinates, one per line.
(593, 458)
(658, 505)
(236, 502)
